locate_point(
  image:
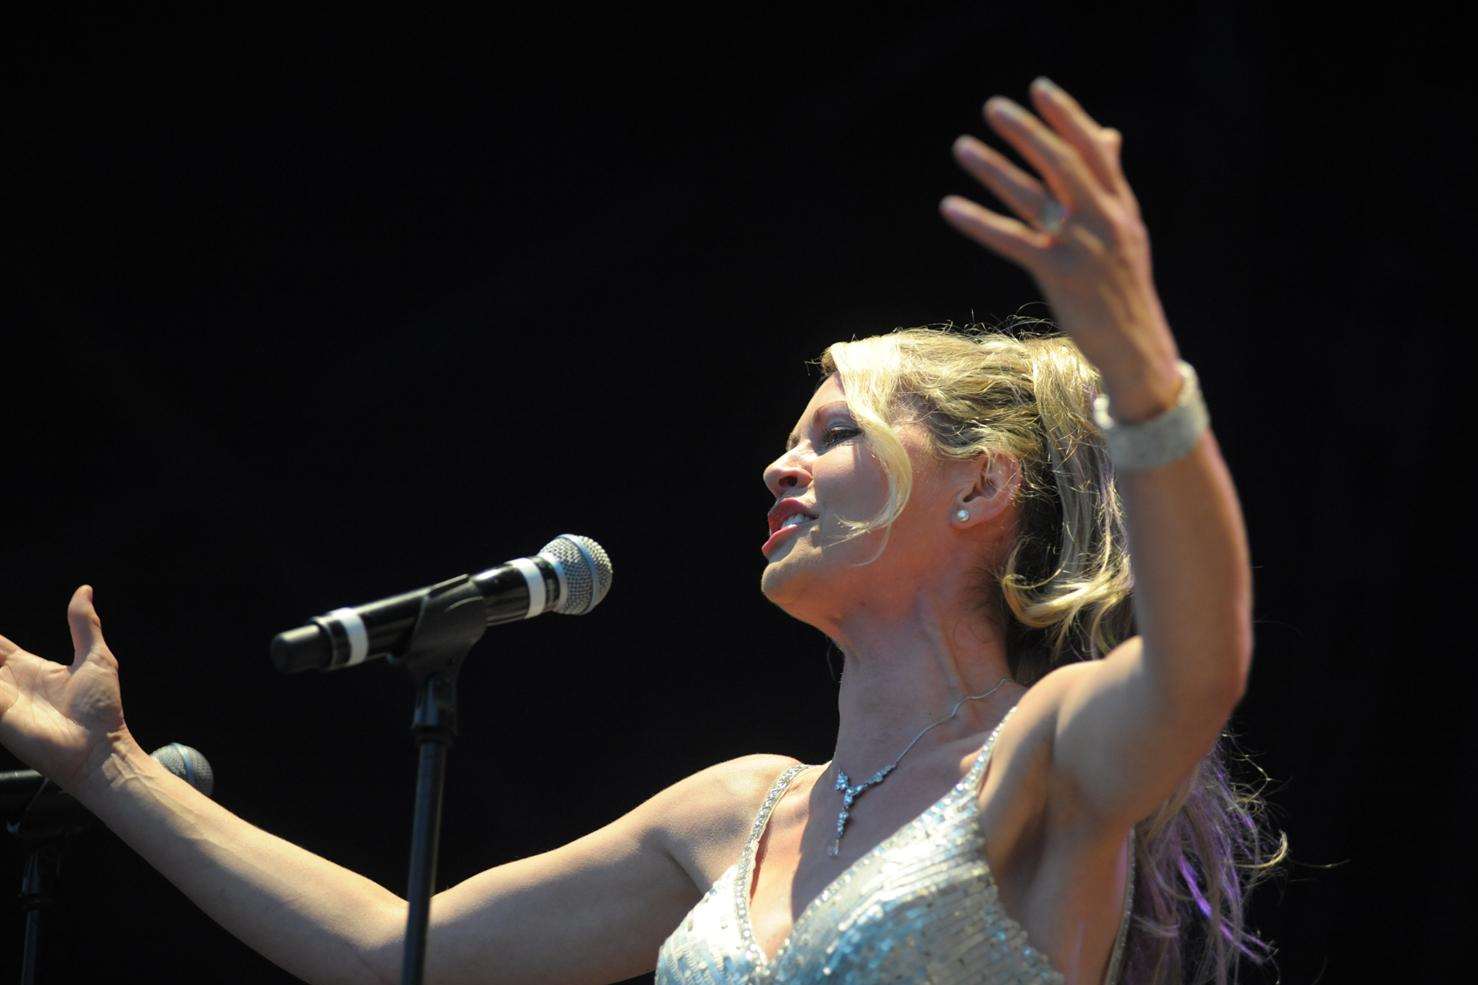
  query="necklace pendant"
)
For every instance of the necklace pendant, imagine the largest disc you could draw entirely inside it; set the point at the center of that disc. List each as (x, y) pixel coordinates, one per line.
(836, 845)
(850, 791)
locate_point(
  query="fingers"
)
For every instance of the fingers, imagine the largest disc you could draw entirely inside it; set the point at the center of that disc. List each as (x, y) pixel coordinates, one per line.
(82, 619)
(1014, 240)
(1059, 163)
(1080, 168)
(1099, 146)
(1114, 140)
(1023, 193)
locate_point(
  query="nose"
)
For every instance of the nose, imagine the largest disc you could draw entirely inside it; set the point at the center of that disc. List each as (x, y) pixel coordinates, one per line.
(785, 472)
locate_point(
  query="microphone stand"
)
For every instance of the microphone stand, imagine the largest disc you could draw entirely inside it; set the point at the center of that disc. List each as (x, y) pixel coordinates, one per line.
(45, 836)
(451, 620)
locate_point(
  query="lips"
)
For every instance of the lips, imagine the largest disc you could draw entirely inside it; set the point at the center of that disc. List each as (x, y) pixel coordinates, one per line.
(782, 534)
(784, 510)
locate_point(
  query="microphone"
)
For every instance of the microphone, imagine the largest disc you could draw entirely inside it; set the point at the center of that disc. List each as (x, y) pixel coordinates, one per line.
(19, 788)
(570, 575)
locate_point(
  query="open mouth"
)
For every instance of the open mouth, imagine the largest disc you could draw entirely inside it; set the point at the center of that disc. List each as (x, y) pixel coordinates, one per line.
(785, 529)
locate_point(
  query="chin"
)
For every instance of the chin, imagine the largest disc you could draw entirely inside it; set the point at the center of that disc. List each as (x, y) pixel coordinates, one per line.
(785, 583)
(804, 588)
(774, 579)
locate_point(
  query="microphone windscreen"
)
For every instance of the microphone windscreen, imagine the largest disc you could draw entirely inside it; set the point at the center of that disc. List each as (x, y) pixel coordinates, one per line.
(587, 572)
(187, 764)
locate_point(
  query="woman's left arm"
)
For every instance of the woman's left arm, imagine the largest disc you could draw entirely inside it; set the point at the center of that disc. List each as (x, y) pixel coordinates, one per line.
(1129, 727)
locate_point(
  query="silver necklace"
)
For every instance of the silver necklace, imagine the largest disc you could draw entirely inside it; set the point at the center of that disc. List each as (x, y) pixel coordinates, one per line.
(850, 792)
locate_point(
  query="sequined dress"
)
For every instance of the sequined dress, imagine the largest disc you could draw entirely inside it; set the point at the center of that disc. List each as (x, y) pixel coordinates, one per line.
(921, 906)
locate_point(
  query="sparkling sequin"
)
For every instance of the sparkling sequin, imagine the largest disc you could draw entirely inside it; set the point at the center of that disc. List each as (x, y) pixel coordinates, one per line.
(921, 906)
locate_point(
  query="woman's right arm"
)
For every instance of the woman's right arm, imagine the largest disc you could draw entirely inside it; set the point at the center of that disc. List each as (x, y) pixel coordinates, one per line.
(593, 911)
(317, 920)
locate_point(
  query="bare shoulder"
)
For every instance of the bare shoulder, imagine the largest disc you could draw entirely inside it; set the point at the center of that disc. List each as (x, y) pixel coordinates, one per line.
(1025, 743)
(1034, 722)
(598, 908)
(708, 814)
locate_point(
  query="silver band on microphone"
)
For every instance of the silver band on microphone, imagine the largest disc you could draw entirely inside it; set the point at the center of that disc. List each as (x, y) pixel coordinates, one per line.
(534, 578)
(354, 631)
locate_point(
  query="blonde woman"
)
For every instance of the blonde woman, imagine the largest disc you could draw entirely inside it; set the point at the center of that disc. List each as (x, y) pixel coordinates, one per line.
(1027, 781)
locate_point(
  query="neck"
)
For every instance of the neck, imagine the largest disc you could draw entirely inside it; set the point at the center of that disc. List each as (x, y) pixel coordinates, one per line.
(906, 670)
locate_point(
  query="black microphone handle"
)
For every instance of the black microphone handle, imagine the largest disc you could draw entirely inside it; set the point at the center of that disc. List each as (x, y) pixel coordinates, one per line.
(324, 644)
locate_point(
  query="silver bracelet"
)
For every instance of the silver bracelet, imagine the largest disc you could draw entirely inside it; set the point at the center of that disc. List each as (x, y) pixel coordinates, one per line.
(1152, 443)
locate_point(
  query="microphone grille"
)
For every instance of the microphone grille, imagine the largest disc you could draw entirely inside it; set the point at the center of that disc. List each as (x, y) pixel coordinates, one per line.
(586, 569)
(187, 764)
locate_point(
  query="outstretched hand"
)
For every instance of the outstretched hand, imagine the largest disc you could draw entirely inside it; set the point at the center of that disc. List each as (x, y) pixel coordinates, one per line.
(1079, 235)
(59, 718)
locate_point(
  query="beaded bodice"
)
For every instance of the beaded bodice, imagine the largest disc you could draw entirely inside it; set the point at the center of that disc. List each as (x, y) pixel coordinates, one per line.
(921, 906)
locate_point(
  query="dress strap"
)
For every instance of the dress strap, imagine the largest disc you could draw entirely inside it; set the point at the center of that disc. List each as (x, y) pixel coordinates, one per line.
(977, 769)
(1117, 957)
(777, 790)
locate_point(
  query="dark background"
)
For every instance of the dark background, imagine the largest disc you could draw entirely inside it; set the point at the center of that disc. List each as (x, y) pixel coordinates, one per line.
(315, 310)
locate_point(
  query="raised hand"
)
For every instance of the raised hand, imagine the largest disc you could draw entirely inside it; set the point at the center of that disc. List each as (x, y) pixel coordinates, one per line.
(61, 719)
(1080, 235)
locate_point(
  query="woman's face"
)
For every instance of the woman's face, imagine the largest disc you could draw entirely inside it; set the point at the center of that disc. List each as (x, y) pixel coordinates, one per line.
(828, 473)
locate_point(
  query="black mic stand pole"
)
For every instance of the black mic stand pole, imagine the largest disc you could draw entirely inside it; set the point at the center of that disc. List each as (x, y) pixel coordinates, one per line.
(45, 836)
(451, 620)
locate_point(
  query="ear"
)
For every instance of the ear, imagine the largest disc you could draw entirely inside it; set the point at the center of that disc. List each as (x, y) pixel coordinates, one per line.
(990, 487)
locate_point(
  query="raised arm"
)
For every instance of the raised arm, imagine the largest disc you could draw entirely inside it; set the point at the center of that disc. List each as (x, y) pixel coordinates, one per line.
(1131, 726)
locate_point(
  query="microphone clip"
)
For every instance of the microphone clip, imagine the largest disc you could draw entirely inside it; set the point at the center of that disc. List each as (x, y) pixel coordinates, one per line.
(450, 622)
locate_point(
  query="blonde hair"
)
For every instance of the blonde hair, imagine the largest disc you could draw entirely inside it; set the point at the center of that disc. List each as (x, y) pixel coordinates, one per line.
(1064, 592)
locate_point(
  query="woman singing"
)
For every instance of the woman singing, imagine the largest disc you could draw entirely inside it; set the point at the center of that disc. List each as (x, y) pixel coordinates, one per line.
(1030, 552)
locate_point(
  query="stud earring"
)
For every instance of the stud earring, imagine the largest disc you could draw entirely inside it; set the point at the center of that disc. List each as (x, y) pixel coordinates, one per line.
(962, 515)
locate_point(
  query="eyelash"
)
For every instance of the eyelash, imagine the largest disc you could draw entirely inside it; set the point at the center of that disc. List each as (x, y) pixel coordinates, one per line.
(826, 435)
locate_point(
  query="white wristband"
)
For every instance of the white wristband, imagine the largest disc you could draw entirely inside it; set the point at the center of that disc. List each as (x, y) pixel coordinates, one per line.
(1149, 444)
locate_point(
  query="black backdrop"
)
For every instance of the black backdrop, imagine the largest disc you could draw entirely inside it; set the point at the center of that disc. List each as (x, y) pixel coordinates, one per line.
(313, 310)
